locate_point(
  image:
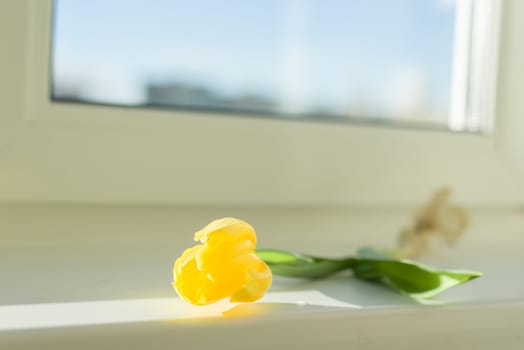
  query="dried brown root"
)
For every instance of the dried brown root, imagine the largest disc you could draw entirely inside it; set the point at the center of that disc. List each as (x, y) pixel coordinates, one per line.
(438, 219)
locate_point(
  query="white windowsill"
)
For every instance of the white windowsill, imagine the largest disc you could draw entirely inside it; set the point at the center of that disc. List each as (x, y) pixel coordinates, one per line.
(89, 274)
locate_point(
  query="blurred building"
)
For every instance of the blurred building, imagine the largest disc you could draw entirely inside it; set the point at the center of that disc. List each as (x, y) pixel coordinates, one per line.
(179, 94)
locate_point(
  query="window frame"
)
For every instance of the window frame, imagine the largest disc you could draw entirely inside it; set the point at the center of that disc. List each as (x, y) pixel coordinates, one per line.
(88, 153)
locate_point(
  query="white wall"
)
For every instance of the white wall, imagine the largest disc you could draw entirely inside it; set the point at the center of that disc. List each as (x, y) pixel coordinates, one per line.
(70, 153)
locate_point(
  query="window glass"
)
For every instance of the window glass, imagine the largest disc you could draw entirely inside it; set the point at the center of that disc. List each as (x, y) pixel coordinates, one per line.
(387, 61)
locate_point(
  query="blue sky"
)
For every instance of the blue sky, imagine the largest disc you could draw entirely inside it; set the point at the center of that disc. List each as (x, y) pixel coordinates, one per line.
(306, 53)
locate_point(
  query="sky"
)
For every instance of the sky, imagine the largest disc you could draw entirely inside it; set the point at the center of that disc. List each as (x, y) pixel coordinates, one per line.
(369, 57)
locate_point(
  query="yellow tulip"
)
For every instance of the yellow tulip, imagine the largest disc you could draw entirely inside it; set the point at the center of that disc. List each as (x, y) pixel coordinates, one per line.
(223, 266)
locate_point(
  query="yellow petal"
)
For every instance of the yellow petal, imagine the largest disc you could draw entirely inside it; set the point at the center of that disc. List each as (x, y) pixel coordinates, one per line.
(257, 279)
(186, 256)
(218, 263)
(227, 229)
(192, 284)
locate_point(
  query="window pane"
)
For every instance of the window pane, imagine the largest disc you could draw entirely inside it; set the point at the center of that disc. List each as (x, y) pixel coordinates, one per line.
(378, 60)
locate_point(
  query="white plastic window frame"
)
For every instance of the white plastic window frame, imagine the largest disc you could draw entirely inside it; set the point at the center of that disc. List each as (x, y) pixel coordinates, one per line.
(82, 153)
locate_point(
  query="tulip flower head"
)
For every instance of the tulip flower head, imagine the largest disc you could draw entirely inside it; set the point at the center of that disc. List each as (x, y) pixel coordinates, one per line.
(224, 265)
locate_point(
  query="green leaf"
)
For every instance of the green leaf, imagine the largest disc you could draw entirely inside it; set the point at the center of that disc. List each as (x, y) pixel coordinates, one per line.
(408, 277)
(411, 278)
(304, 266)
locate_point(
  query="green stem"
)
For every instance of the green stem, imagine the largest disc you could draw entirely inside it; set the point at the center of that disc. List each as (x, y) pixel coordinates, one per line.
(303, 266)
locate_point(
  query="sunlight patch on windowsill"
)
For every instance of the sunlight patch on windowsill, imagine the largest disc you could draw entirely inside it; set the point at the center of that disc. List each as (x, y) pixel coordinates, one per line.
(34, 316)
